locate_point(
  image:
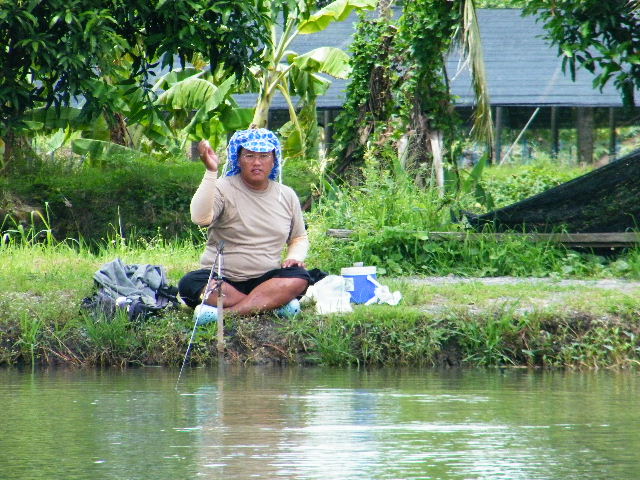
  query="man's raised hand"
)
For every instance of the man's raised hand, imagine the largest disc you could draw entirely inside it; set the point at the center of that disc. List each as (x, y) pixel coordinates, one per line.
(208, 156)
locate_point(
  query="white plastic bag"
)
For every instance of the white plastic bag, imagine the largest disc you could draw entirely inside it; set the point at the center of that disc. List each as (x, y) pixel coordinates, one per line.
(382, 294)
(330, 295)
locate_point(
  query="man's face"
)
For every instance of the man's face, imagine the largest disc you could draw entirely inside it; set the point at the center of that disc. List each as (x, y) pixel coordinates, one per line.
(255, 167)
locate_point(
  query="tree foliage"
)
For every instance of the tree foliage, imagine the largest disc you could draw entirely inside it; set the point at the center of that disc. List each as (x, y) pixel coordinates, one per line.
(601, 36)
(300, 75)
(51, 49)
(54, 50)
(370, 94)
(399, 87)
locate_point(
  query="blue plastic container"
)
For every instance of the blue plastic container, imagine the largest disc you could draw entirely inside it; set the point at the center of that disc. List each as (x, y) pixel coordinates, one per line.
(359, 287)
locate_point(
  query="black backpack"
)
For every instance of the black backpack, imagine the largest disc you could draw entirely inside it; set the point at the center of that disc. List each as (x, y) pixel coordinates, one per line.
(141, 290)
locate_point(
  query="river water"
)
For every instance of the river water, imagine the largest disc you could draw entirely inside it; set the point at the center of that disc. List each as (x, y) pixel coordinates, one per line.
(314, 423)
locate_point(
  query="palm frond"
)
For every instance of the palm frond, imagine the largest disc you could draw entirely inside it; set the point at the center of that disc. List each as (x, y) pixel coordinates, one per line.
(472, 46)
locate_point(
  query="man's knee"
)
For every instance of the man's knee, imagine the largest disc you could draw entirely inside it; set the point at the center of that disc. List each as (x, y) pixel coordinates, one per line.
(294, 285)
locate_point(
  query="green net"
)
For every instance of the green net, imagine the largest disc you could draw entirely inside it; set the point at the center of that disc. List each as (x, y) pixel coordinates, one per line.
(604, 200)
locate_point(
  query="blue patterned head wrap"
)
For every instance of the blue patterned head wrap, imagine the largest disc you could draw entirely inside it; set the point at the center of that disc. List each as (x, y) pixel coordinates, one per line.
(256, 140)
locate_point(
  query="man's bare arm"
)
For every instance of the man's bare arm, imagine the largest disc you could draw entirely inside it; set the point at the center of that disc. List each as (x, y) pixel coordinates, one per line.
(297, 252)
(202, 202)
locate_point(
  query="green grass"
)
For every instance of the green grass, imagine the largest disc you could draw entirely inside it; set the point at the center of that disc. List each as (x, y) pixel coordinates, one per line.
(391, 219)
(43, 281)
(147, 201)
(531, 323)
(398, 252)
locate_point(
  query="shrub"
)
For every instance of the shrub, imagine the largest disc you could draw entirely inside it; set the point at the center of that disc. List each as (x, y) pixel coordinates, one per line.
(512, 183)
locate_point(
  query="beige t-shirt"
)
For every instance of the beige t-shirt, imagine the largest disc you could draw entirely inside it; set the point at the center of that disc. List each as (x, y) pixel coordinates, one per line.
(255, 225)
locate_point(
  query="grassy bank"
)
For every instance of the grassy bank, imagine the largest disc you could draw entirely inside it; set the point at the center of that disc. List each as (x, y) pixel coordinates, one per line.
(548, 324)
(43, 280)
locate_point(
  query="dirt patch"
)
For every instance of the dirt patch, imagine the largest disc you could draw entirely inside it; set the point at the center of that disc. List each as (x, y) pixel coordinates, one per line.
(17, 208)
(258, 340)
(607, 283)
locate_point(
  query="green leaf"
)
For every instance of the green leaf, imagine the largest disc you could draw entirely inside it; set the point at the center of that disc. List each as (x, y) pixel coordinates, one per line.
(160, 134)
(98, 149)
(478, 168)
(336, 11)
(173, 77)
(50, 119)
(329, 60)
(293, 144)
(210, 103)
(483, 197)
(634, 59)
(188, 94)
(317, 85)
(57, 140)
(33, 125)
(236, 118)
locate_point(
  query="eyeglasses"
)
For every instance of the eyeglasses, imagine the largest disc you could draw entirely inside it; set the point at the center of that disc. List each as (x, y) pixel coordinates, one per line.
(260, 156)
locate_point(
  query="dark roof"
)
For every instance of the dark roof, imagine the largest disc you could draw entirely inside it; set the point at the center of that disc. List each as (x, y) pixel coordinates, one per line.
(522, 68)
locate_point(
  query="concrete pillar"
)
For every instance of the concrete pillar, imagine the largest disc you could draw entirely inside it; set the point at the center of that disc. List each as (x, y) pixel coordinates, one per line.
(585, 134)
(555, 143)
(612, 134)
(497, 143)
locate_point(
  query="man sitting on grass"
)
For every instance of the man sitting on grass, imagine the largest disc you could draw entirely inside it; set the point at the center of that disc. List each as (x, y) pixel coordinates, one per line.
(255, 216)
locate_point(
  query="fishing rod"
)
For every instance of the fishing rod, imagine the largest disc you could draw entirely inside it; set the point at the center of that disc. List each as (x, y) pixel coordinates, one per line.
(209, 288)
(220, 306)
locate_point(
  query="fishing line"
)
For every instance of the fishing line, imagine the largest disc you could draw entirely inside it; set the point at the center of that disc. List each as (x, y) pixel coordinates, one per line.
(207, 291)
(220, 335)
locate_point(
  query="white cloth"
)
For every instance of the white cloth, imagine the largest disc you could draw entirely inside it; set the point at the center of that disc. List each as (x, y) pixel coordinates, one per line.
(330, 295)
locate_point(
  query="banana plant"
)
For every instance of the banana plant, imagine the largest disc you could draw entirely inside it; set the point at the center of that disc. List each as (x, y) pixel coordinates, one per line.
(299, 75)
(193, 102)
(179, 93)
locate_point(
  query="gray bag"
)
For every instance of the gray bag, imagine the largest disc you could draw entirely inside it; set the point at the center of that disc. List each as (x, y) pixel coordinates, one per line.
(141, 289)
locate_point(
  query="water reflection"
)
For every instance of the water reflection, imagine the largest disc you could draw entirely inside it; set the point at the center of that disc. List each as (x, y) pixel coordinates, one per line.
(318, 424)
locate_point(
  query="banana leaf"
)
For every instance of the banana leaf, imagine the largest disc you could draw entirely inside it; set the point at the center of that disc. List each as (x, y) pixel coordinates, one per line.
(329, 60)
(334, 12)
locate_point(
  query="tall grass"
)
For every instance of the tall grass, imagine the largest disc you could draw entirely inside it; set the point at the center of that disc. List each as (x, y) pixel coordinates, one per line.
(391, 219)
(511, 183)
(38, 230)
(30, 328)
(110, 340)
(383, 204)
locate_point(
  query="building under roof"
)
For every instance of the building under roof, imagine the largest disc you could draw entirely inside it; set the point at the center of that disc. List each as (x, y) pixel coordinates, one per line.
(525, 79)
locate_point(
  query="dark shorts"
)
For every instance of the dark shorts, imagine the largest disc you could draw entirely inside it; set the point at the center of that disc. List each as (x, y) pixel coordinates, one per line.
(191, 285)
